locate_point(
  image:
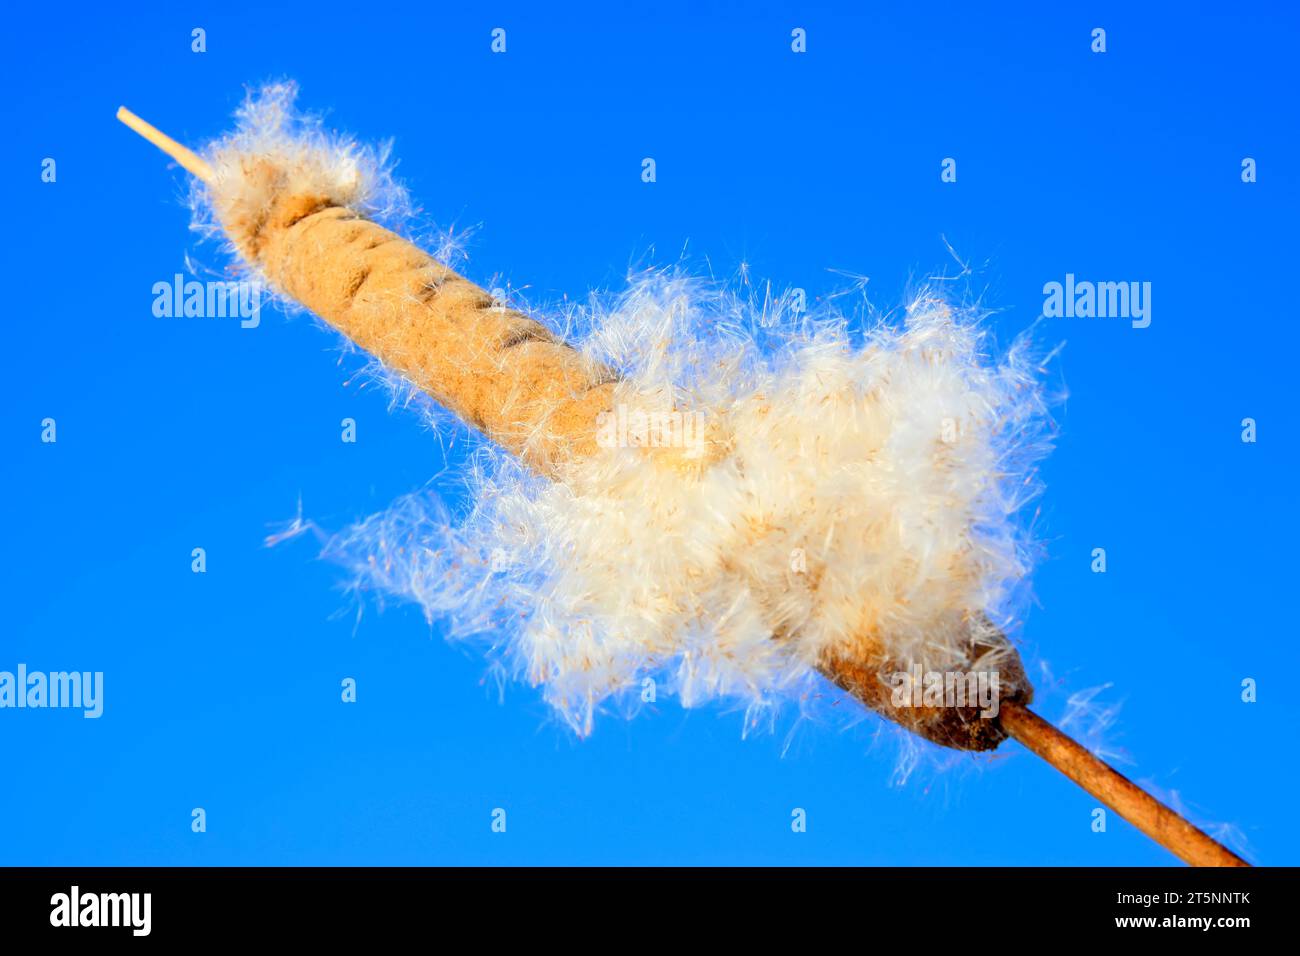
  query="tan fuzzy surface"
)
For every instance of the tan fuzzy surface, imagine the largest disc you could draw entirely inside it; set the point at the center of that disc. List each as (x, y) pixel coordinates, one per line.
(497, 369)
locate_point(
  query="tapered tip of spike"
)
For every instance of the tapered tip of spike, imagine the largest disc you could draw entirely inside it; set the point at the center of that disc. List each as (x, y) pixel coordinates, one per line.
(187, 158)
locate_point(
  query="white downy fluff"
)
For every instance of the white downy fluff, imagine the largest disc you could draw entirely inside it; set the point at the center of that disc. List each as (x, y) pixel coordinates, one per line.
(873, 485)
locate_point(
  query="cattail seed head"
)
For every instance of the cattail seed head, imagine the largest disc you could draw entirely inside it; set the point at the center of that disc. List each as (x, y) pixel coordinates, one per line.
(692, 454)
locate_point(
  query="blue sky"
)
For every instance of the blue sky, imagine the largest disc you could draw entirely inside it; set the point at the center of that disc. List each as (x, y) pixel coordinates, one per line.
(222, 689)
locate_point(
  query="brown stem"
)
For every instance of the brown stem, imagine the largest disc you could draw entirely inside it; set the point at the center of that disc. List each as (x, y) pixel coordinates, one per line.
(1115, 790)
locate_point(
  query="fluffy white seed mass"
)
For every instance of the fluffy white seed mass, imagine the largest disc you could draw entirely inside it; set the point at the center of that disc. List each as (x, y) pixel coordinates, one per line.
(847, 479)
(867, 490)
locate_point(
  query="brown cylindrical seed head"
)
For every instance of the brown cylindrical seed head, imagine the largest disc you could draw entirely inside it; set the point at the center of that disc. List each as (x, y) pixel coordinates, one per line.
(497, 369)
(507, 375)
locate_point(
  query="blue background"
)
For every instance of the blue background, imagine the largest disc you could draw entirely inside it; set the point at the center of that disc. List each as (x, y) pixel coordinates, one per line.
(222, 689)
